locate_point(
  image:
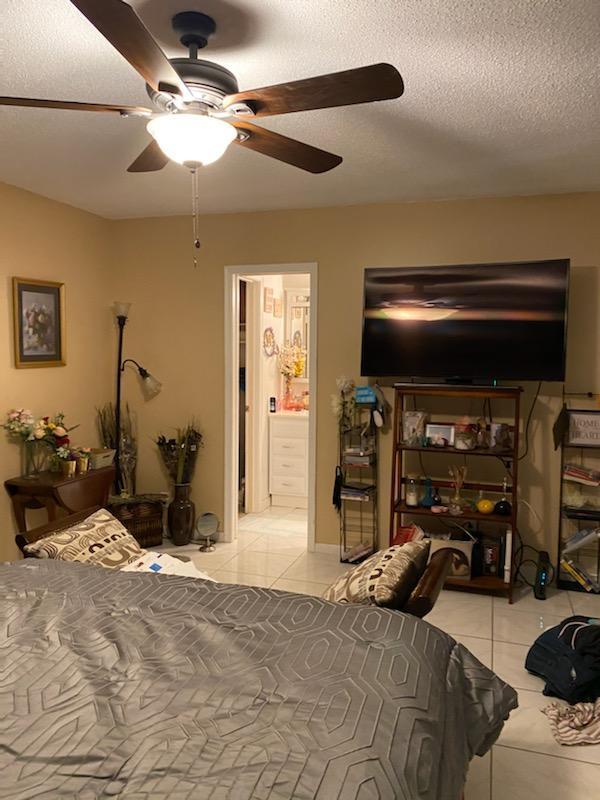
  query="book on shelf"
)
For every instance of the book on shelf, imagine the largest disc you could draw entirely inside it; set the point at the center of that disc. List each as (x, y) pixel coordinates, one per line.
(581, 539)
(357, 450)
(358, 553)
(408, 533)
(357, 460)
(578, 474)
(580, 575)
(357, 491)
(491, 556)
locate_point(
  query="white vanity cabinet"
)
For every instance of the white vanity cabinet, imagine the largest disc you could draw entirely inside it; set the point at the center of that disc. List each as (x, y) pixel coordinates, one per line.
(288, 458)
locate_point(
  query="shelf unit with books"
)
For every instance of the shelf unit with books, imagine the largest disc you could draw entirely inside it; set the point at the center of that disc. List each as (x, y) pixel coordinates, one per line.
(498, 528)
(579, 515)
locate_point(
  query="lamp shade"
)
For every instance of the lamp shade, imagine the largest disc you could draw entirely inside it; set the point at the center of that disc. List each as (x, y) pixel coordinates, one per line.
(192, 138)
(150, 386)
(121, 309)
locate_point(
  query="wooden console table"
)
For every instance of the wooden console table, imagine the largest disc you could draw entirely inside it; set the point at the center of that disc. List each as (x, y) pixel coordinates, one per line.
(50, 490)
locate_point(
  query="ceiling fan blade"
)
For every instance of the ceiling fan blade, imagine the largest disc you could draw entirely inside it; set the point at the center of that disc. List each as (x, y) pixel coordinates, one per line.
(150, 160)
(291, 151)
(118, 22)
(362, 85)
(71, 105)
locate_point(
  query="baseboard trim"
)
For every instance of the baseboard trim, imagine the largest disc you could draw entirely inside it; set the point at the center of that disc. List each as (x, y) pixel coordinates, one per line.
(330, 549)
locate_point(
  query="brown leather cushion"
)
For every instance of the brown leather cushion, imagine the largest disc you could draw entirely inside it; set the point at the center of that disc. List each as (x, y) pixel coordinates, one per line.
(385, 579)
(98, 539)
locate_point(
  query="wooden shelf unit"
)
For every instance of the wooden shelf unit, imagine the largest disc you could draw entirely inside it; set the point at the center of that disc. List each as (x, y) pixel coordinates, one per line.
(498, 525)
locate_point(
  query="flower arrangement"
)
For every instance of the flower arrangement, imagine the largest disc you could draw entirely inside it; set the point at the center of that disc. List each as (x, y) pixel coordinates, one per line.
(179, 454)
(41, 437)
(64, 453)
(292, 361)
(22, 425)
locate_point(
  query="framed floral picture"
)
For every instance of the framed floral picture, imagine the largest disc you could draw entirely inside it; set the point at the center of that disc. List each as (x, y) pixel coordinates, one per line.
(39, 323)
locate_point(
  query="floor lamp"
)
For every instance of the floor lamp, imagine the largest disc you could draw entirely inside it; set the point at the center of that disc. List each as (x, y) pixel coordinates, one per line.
(150, 386)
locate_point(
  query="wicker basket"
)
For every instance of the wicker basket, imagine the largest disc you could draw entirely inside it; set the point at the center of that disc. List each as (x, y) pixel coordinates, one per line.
(142, 516)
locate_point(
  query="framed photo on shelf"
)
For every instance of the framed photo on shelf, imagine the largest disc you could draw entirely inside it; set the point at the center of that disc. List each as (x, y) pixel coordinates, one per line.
(39, 323)
(584, 428)
(440, 435)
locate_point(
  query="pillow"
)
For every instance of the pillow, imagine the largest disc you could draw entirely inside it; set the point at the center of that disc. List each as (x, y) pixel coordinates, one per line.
(385, 579)
(99, 539)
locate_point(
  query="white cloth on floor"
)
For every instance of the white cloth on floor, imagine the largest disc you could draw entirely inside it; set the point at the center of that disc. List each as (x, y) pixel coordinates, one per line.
(166, 565)
(577, 724)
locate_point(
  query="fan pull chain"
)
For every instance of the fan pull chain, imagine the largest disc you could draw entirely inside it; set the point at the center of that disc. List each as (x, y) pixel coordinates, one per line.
(195, 215)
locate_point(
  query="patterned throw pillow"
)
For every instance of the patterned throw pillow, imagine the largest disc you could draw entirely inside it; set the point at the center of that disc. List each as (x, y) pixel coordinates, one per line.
(385, 579)
(99, 539)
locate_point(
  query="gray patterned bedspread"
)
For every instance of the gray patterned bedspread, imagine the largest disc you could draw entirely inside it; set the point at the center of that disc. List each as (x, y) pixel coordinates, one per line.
(151, 686)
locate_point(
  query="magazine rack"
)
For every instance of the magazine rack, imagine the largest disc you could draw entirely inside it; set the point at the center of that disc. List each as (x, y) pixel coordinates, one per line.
(358, 463)
(579, 515)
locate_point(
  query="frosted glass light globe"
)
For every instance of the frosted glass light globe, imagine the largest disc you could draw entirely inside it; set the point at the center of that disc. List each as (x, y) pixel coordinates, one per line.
(192, 139)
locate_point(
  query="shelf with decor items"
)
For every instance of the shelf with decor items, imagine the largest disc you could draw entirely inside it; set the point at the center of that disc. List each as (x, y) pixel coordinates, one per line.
(579, 516)
(491, 520)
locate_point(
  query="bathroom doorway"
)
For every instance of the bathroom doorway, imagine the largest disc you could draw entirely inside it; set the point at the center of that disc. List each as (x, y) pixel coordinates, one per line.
(270, 353)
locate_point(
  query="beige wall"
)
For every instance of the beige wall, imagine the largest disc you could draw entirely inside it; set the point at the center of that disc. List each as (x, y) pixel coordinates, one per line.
(176, 321)
(176, 327)
(46, 240)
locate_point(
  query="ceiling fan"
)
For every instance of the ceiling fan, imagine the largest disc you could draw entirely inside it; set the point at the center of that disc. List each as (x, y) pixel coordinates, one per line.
(198, 108)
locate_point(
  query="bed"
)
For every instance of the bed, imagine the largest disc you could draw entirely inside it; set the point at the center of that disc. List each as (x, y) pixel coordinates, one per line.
(129, 685)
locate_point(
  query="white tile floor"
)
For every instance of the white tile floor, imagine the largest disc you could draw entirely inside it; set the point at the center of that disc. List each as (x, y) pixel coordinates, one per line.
(270, 551)
(526, 763)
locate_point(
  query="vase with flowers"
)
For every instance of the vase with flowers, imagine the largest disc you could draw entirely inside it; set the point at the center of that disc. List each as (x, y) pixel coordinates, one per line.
(292, 362)
(179, 455)
(67, 460)
(40, 438)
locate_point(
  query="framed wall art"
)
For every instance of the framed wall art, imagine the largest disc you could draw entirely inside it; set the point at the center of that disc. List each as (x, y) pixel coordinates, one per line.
(39, 323)
(277, 307)
(584, 428)
(268, 300)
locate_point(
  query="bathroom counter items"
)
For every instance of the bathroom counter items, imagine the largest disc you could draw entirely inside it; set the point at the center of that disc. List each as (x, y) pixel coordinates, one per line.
(288, 458)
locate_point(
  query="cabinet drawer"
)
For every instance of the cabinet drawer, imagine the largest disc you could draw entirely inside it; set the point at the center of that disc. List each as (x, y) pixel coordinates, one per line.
(285, 429)
(288, 447)
(281, 466)
(287, 485)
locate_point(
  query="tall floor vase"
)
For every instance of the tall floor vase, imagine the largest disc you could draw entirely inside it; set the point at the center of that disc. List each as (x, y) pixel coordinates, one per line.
(181, 514)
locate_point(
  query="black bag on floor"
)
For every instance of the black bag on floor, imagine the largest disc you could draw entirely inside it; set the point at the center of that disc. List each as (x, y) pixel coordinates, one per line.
(567, 657)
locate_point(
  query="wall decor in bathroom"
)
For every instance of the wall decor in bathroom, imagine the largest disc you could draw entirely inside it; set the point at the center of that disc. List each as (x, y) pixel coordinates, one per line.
(268, 300)
(269, 343)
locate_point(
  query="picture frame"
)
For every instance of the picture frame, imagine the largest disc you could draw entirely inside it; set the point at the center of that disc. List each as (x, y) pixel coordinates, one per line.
(583, 429)
(435, 433)
(269, 343)
(277, 307)
(39, 323)
(268, 300)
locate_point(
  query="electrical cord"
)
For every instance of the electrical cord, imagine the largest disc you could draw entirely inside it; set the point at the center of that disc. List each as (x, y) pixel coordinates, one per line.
(528, 423)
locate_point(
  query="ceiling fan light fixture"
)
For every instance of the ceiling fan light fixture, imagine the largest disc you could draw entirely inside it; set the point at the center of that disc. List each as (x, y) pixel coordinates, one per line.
(191, 139)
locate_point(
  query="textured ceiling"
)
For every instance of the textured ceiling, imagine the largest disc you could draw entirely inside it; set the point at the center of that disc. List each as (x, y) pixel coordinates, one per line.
(502, 97)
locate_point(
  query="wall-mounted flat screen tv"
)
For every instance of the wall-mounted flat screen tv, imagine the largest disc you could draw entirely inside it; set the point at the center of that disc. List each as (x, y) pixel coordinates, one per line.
(471, 321)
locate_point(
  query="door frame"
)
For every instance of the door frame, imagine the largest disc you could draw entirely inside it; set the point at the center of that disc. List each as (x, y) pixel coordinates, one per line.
(233, 273)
